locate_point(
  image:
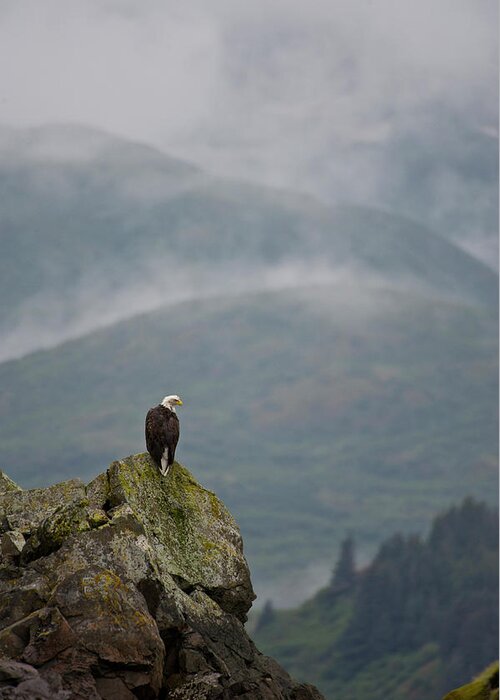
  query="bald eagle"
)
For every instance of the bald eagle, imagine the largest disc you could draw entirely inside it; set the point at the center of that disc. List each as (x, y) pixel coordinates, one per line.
(162, 432)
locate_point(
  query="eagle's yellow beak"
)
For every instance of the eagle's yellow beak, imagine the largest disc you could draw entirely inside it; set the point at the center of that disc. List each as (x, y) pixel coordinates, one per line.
(179, 402)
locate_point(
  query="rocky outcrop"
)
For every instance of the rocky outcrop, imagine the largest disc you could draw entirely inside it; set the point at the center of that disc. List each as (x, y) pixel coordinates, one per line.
(134, 586)
(484, 687)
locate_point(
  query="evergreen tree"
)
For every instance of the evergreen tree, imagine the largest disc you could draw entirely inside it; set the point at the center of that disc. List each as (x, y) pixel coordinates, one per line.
(428, 607)
(443, 590)
(266, 617)
(344, 573)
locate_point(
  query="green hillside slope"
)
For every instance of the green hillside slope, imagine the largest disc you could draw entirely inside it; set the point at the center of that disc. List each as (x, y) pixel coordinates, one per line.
(419, 619)
(311, 412)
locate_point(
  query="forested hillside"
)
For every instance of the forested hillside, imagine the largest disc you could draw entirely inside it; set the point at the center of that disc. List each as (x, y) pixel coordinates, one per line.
(311, 412)
(419, 620)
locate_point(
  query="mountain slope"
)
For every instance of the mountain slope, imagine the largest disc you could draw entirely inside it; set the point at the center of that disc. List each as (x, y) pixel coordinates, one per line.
(421, 618)
(311, 411)
(82, 211)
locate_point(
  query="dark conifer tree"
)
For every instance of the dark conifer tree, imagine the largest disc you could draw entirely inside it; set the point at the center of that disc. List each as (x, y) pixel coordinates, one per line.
(344, 573)
(266, 617)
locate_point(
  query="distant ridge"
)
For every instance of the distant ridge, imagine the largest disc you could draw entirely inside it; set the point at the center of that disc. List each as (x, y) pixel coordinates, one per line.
(87, 213)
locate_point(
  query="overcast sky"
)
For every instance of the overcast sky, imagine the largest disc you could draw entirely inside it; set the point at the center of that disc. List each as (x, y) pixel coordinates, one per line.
(259, 87)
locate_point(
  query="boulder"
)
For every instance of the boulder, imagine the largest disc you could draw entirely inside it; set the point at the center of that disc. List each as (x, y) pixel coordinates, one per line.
(134, 586)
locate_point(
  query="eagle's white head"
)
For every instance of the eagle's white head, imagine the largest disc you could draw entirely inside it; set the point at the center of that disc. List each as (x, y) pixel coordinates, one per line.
(171, 402)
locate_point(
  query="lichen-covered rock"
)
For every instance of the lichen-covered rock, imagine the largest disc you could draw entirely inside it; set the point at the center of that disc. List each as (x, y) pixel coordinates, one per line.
(6, 483)
(134, 586)
(196, 539)
(12, 543)
(484, 687)
(25, 510)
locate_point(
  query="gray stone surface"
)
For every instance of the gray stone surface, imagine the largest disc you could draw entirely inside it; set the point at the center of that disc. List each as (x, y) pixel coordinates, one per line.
(12, 543)
(134, 586)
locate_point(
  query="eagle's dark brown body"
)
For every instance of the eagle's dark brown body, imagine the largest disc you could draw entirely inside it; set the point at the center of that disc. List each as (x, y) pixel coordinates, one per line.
(162, 436)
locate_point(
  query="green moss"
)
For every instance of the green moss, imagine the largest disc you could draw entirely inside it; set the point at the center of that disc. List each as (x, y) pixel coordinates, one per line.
(198, 538)
(6, 483)
(214, 504)
(27, 510)
(65, 521)
(97, 491)
(104, 589)
(483, 687)
(96, 517)
(69, 519)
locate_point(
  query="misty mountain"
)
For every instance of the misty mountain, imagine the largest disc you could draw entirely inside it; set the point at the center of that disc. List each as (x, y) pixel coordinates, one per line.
(392, 105)
(443, 173)
(311, 411)
(87, 217)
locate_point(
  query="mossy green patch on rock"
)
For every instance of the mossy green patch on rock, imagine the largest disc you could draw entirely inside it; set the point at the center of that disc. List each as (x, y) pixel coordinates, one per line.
(96, 517)
(26, 510)
(197, 539)
(484, 687)
(110, 618)
(6, 484)
(69, 519)
(97, 491)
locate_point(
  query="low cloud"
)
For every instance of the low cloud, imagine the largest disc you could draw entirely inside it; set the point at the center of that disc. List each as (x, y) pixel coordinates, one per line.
(302, 96)
(291, 590)
(99, 299)
(295, 587)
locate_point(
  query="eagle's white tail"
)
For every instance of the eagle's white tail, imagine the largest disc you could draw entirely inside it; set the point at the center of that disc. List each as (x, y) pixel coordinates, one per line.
(165, 466)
